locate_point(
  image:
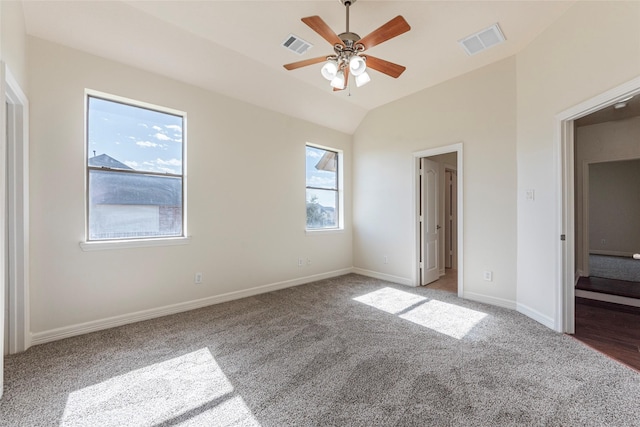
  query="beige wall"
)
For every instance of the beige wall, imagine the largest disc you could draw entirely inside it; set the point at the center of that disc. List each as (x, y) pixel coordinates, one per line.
(13, 40)
(592, 48)
(604, 142)
(477, 109)
(246, 197)
(614, 207)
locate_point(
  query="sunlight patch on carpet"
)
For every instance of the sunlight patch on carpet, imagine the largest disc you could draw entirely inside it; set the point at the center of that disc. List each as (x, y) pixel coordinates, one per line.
(448, 319)
(390, 300)
(183, 390)
(442, 317)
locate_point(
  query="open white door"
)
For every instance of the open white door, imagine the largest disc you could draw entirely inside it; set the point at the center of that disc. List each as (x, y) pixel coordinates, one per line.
(429, 221)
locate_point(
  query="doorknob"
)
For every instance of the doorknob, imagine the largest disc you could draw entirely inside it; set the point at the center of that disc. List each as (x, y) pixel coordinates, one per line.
(438, 227)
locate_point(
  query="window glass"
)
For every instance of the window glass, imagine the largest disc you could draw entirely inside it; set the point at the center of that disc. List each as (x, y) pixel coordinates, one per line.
(135, 171)
(322, 188)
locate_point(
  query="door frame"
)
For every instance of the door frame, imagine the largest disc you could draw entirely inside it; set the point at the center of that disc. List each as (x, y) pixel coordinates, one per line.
(415, 177)
(16, 147)
(565, 155)
(454, 246)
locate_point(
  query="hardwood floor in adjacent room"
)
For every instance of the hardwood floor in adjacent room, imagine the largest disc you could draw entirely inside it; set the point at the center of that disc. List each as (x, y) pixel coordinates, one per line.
(448, 282)
(613, 329)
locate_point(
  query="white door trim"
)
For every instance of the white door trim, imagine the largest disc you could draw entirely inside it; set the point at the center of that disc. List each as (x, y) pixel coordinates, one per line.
(415, 169)
(564, 144)
(17, 150)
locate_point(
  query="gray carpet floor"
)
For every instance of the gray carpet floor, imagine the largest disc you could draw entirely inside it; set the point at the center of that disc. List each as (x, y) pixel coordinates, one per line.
(614, 267)
(349, 351)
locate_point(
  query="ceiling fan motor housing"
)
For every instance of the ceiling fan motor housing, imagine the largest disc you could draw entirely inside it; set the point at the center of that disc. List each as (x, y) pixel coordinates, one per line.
(349, 38)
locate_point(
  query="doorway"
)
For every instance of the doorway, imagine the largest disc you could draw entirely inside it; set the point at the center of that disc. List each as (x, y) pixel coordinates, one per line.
(569, 273)
(438, 224)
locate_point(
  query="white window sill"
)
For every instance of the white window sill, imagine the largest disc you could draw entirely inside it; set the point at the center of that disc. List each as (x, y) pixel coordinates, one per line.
(324, 231)
(127, 244)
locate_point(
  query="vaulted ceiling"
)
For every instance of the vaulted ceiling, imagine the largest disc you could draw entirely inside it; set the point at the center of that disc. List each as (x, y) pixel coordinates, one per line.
(235, 47)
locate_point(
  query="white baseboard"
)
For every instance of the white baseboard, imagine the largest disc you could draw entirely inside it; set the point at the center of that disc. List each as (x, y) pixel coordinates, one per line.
(124, 319)
(608, 298)
(537, 316)
(500, 302)
(383, 276)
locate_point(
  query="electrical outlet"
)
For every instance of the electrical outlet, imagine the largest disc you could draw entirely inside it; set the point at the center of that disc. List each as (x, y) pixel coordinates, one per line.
(198, 278)
(385, 259)
(308, 261)
(300, 262)
(488, 276)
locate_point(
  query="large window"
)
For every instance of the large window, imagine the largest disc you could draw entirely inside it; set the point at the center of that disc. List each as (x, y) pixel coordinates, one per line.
(134, 171)
(323, 195)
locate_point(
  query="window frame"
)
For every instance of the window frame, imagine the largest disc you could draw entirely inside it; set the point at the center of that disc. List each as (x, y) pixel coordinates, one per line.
(144, 241)
(339, 191)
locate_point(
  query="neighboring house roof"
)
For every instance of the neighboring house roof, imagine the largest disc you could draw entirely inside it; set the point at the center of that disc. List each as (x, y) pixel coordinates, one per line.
(122, 188)
(328, 162)
(106, 161)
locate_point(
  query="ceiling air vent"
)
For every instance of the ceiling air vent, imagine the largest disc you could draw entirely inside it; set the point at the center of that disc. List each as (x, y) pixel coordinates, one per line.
(482, 40)
(296, 44)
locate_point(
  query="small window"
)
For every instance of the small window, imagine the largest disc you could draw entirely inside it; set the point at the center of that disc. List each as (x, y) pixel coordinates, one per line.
(135, 170)
(323, 208)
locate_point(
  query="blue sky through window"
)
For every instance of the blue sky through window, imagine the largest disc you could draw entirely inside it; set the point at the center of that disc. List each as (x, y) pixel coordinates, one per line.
(143, 139)
(320, 178)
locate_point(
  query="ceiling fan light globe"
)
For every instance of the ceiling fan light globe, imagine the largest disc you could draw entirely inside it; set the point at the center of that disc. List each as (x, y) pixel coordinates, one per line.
(338, 81)
(329, 70)
(357, 65)
(362, 79)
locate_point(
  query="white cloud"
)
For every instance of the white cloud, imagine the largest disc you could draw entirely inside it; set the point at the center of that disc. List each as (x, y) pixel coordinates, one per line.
(131, 164)
(158, 128)
(132, 137)
(144, 125)
(313, 154)
(174, 127)
(170, 162)
(146, 144)
(162, 137)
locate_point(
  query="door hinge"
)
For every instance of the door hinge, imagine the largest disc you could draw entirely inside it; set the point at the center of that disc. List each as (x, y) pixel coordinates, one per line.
(563, 237)
(421, 218)
(421, 265)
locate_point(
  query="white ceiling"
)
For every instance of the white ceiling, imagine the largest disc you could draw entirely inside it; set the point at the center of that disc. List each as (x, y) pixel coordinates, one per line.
(234, 47)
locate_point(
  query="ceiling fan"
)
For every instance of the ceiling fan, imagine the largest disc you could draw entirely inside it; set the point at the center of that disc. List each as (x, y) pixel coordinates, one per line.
(349, 48)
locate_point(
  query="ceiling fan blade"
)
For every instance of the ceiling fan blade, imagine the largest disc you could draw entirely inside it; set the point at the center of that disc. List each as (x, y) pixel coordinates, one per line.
(386, 67)
(319, 26)
(391, 29)
(304, 63)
